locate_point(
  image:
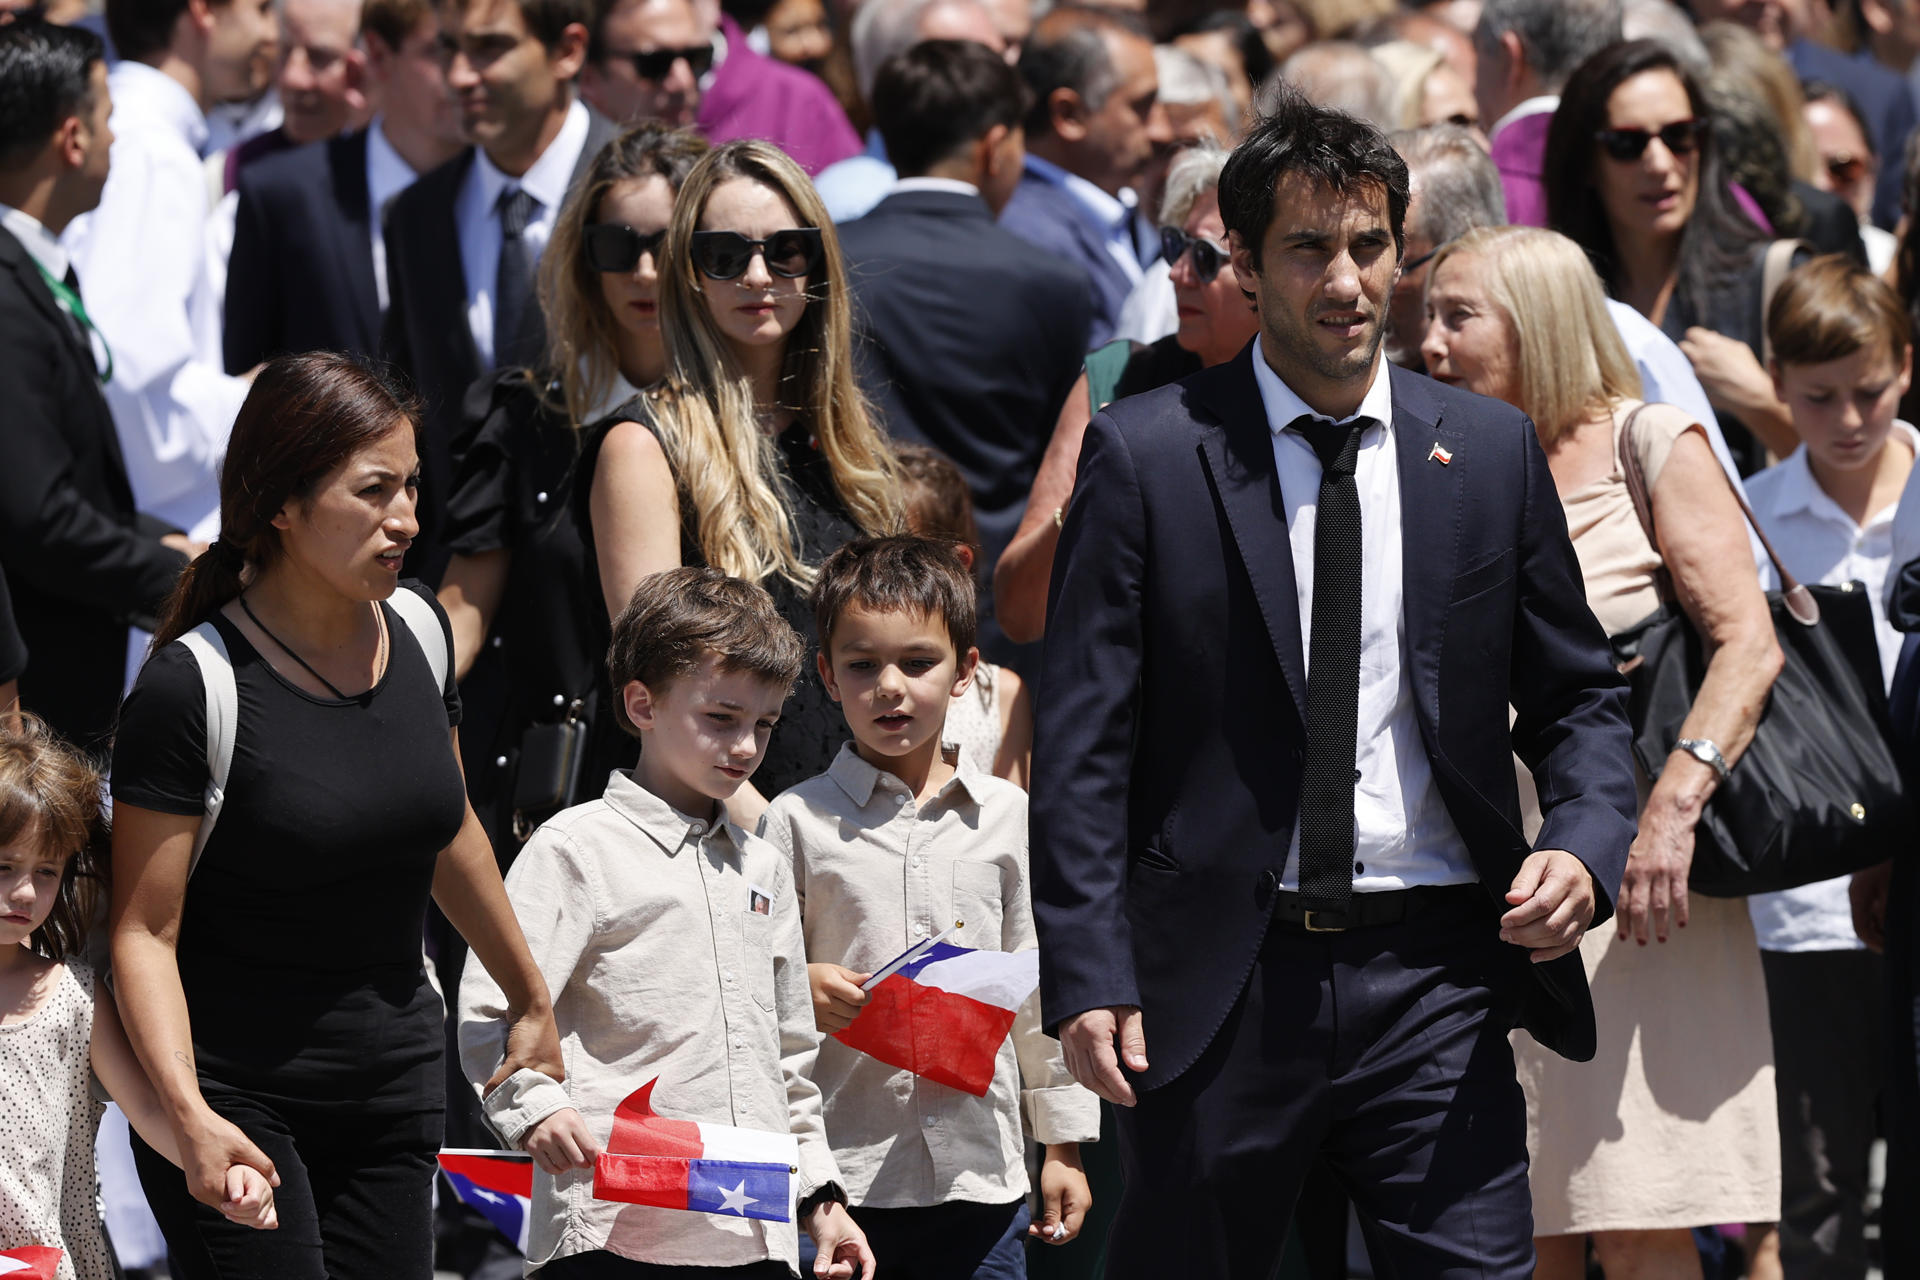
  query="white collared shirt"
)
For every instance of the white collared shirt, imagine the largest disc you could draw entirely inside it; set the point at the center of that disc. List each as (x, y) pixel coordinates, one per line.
(1820, 543)
(478, 219)
(1114, 213)
(144, 271)
(388, 174)
(36, 239)
(1403, 835)
(1544, 104)
(952, 186)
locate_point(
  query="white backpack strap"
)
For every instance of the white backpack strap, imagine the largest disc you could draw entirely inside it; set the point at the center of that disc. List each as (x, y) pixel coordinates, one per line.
(427, 631)
(223, 718)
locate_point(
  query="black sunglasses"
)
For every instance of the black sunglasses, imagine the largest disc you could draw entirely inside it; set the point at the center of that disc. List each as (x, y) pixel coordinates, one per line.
(1682, 137)
(724, 255)
(1846, 167)
(657, 64)
(1208, 257)
(616, 247)
(1412, 265)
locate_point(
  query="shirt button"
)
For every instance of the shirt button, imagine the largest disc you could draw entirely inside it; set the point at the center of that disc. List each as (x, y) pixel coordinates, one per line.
(500, 762)
(727, 974)
(497, 642)
(560, 700)
(1359, 868)
(1356, 775)
(932, 1121)
(698, 828)
(541, 496)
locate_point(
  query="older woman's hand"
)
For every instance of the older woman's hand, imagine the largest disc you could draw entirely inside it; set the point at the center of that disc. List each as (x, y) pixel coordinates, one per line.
(1653, 894)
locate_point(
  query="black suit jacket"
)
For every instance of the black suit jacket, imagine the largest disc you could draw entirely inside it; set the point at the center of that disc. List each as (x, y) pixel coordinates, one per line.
(970, 340)
(81, 563)
(301, 274)
(426, 334)
(1171, 717)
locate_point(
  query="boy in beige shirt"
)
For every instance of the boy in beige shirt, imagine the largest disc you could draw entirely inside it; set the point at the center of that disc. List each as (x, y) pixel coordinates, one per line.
(894, 843)
(670, 939)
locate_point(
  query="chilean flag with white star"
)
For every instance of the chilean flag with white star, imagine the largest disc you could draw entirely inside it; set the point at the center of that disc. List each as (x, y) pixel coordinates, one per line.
(685, 1164)
(35, 1262)
(497, 1184)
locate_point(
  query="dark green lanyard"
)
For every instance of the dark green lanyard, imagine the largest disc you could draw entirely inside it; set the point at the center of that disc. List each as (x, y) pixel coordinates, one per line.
(78, 310)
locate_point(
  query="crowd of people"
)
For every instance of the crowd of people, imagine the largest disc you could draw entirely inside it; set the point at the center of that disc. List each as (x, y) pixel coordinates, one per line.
(1192, 493)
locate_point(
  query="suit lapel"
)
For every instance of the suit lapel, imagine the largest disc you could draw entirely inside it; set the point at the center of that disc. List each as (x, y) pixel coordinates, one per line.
(347, 166)
(1239, 456)
(600, 131)
(438, 256)
(1430, 525)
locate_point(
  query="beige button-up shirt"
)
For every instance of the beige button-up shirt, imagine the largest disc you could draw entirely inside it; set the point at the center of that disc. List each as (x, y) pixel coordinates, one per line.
(874, 873)
(642, 921)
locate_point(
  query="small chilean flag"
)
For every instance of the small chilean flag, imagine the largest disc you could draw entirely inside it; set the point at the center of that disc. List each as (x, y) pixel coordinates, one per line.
(942, 1011)
(706, 1168)
(497, 1184)
(31, 1263)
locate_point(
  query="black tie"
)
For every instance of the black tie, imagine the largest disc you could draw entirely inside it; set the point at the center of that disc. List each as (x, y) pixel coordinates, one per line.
(514, 341)
(1333, 670)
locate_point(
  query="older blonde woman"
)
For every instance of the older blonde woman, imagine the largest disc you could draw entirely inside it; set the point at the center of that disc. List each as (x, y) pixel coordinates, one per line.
(1672, 1126)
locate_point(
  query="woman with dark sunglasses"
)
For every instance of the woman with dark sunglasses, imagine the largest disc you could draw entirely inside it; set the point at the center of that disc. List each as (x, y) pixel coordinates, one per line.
(522, 587)
(1633, 177)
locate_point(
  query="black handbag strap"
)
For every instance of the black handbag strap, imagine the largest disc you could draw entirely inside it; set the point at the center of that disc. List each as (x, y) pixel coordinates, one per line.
(1799, 601)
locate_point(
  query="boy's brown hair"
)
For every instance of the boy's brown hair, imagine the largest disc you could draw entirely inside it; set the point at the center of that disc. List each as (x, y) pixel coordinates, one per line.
(50, 796)
(1830, 308)
(675, 619)
(904, 573)
(939, 504)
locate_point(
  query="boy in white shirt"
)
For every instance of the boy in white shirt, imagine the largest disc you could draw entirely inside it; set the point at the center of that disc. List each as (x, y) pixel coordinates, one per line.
(670, 939)
(894, 843)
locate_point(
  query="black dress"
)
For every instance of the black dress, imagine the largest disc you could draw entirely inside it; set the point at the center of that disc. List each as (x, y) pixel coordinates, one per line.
(315, 1029)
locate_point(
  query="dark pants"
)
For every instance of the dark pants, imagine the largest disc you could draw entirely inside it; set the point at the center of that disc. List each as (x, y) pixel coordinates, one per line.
(957, 1241)
(1900, 1225)
(1382, 1051)
(355, 1197)
(1827, 1010)
(601, 1265)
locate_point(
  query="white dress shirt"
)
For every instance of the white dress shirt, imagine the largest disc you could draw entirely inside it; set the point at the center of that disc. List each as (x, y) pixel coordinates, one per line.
(142, 261)
(1820, 543)
(1403, 835)
(1114, 213)
(1544, 104)
(478, 219)
(45, 249)
(388, 174)
(952, 186)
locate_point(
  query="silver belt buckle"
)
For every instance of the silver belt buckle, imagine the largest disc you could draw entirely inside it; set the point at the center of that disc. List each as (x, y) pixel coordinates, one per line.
(1312, 926)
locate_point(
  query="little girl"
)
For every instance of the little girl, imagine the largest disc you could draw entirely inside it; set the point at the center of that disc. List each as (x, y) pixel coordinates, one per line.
(58, 1027)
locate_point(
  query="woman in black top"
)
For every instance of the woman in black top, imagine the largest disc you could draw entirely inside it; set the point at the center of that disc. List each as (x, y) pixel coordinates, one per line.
(278, 999)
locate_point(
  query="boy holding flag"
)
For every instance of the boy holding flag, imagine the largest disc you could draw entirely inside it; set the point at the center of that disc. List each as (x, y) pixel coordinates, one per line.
(911, 871)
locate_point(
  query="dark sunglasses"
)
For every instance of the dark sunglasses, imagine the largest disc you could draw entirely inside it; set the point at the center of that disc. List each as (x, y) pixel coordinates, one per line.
(616, 247)
(1208, 257)
(658, 63)
(724, 255)
(1845, 168)
(1412, 265)
(1682, 137)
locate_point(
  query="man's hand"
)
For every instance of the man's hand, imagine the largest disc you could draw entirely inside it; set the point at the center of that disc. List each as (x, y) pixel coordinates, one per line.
(561, 1142)
(1063, 1195)
(840, 1244)
(1867, 894)
(1088, 1040)
(837, 997)
(1552, 901)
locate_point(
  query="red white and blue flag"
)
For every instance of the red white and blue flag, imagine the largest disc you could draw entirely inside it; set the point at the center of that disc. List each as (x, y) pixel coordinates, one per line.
(496, 1184)
(35, 1262)
(942, 1011)
(684, 1164)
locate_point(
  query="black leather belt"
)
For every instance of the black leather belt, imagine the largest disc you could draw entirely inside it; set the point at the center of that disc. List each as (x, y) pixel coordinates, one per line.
(1366, 910)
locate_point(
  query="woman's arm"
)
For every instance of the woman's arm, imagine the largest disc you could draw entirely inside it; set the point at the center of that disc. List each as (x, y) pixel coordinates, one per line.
(1703, 539)
(468, 889)
(634, 506)
(1014, 760)
(1020, 578)
(470, 593)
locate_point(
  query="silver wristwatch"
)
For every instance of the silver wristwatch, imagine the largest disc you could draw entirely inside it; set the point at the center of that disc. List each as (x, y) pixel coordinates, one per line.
(1703, 750)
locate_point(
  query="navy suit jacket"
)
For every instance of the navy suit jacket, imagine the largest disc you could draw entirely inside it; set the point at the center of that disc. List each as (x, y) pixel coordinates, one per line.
(301, 274)
(1171, 721)
(1047, 215)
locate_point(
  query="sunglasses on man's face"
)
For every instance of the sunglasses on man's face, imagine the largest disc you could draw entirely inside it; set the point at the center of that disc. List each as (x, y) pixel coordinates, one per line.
(657, 64)
(1682, 138)
(1846, 169)
(1208, 257)
(617, 248)
(725, 255)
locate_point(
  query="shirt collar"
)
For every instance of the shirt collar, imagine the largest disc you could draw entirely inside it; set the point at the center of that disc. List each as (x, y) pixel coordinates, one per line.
(1109, 211)
(951, 185)
(388, 172)
(859, 779)
(140, 91)
(665, 825)
(617, 394)
(1544, 104)
(37, 241)
(1283, 405)
(1800, 493)
(547, 179)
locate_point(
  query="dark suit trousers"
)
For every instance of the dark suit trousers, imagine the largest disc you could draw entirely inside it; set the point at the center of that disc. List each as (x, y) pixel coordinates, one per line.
(1382, 1050)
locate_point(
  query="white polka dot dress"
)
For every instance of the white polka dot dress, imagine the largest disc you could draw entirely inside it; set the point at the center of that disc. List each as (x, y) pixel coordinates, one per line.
(48, 1119)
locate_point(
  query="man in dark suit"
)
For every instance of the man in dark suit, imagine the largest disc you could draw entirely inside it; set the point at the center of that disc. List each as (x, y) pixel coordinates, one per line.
(970, 337)
(1286, 871)
(1092, 127)
(308, 271)
(80, 561)
(462, 243)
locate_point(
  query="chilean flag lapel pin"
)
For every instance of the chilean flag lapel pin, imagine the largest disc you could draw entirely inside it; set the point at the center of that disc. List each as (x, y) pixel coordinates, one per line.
(1439, 455)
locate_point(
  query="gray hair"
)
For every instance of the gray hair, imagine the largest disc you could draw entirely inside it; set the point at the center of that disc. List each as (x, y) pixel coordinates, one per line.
(1666, 22)
(1557, 35)
(1456, 186)
(1193, 173)
(1187, 81)
(1338, 74)
(883, 28)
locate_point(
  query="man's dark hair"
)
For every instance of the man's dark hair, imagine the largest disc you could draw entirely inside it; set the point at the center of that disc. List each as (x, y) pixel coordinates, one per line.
(1068, 50)
(940, 97)
(142, 28)
(546, 20)
(45, 77)
(1329, 146)
(899, 574)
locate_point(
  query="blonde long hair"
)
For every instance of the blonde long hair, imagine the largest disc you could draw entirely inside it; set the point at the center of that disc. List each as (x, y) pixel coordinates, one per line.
(704, 408)
(1569, 359)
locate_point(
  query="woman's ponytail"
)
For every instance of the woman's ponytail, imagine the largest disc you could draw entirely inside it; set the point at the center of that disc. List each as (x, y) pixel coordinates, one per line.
(212, 579)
